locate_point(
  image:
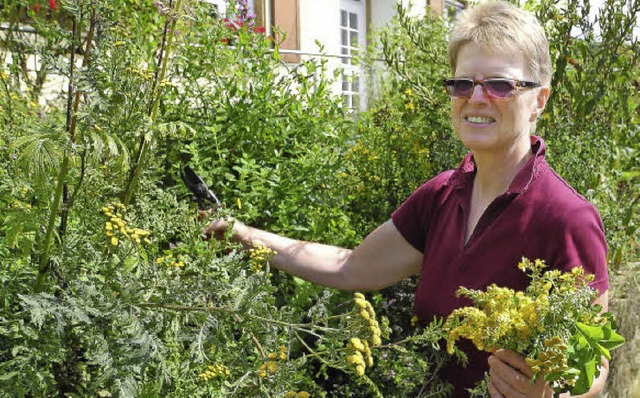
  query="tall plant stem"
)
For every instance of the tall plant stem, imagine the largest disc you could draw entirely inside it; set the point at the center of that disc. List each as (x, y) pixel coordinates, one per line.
(156, 91)
(43, 264)
(53, 213)
(72, 119)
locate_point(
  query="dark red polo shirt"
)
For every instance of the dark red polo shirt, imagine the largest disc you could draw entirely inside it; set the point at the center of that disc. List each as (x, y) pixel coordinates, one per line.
(539, 217)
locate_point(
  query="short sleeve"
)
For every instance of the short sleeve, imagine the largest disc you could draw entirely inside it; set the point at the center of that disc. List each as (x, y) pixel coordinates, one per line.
(582, 243)
(412, 219)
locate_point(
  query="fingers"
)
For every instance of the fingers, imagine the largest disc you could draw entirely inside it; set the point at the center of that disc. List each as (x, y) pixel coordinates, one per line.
(604, 365)
(506, 381)
(514, 360)
(510, 377)
(493, 391)
(216, 228)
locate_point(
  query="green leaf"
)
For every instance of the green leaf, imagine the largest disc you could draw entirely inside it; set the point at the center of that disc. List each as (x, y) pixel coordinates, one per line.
(587, 373)
(601, 337)
(9, 376)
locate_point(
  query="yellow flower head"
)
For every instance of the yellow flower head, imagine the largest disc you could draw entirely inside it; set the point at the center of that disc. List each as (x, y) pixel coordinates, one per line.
(282, 354)
(272, 366)
(356, 344)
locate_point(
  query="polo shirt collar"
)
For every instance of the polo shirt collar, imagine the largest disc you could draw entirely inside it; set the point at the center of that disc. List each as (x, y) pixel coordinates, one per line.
(464, 174)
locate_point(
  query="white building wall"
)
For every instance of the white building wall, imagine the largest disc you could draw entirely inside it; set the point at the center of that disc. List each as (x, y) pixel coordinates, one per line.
(319, 23)
(383, 10)
(319, 20)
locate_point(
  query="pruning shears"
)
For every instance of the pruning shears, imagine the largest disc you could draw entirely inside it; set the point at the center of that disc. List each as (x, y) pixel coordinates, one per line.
(201, 194)
(200, 190)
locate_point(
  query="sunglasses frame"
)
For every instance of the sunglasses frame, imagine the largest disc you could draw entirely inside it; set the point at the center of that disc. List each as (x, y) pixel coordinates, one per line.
(517, 86)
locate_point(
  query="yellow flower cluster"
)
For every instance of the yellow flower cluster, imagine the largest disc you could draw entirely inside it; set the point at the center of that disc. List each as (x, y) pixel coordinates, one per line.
(260, 256)
(553, 359)
(271, 366)
(168, 83)
(142, 74)
(365, 311)
(500, 314)
(213, 371)
(360, 356)
(360, 148)
(18, 204)
(116, 227)
(170, 261)
(300, 394)
(359, 349)
(420, 151)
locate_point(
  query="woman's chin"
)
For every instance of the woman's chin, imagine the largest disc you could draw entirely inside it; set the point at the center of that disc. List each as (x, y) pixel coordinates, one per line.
(477, 142)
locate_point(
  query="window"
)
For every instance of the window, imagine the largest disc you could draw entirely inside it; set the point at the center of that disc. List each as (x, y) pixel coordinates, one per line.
(352, 33)
(349, 35)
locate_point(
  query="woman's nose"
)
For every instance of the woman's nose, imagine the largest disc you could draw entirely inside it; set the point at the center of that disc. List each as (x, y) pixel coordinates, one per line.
(478, 94)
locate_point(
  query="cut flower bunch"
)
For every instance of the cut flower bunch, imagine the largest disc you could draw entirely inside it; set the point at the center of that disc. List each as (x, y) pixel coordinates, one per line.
(553, 323)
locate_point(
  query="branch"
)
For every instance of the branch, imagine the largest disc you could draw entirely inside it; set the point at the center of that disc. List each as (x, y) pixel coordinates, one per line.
(67, 203)
(181, 307)
(155, 100)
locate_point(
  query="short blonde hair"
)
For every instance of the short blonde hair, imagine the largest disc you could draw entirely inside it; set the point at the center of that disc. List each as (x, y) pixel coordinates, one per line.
(503, 28)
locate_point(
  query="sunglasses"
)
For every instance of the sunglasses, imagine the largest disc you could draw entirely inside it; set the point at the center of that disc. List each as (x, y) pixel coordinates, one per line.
(460, 87)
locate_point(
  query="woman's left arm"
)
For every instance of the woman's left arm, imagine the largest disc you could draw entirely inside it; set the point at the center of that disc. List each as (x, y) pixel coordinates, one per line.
(510, 376)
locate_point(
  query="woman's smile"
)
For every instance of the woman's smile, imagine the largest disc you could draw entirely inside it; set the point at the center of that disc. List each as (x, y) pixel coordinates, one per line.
(479, 120)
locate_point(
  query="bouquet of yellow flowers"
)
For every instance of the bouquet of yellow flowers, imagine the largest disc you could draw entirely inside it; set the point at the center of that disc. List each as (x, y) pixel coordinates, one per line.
(553, 323)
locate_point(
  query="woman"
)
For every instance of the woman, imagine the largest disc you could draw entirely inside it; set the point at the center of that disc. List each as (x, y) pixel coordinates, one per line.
(470, 226)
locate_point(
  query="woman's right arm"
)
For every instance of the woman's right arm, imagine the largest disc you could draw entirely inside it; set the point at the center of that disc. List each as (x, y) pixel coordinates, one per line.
(382, 259)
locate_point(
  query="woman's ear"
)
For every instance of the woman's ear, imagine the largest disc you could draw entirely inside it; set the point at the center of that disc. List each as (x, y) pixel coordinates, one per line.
(541, 102)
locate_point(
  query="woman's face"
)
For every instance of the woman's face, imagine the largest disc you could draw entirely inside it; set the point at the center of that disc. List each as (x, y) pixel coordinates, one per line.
(485, 124)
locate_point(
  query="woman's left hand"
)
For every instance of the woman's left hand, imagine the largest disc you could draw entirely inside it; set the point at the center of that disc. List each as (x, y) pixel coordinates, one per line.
(510, 377)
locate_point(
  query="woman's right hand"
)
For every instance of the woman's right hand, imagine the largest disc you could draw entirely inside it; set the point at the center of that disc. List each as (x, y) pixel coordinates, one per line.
(218, 229)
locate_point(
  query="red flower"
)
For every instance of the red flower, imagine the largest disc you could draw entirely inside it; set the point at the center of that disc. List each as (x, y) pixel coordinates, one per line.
(53, 5)
(233, 25)
(260, 29)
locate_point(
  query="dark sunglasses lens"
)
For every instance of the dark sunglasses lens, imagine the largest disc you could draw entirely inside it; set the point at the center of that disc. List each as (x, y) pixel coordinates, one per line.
(499, 88)
(459, 87)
